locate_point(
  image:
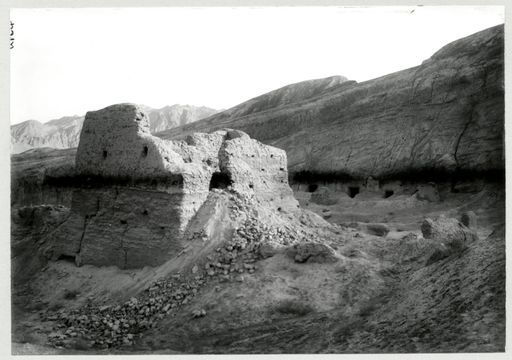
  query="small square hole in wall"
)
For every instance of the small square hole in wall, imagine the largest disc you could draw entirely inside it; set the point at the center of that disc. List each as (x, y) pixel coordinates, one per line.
(220, 180)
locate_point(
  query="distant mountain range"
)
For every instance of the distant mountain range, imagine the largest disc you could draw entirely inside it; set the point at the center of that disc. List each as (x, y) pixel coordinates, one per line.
(64, 133)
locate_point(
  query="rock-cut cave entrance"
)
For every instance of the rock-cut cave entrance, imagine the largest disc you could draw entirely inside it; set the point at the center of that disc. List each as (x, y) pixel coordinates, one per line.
(353, 191)
(388, 193)
(67, 258)
(312, 188)
(220, 180)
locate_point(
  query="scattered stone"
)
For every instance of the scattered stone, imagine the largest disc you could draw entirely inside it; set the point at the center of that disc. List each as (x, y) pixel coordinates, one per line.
(448, 231)
(313, 252)
(198, 313)
(268, 249)
(449, 235)
(377, 229)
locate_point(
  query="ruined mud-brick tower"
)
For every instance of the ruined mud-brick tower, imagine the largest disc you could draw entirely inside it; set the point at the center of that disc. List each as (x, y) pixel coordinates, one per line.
(135, 193)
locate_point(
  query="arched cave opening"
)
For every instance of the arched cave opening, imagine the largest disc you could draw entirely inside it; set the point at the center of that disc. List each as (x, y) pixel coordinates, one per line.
(105, 153)
(388, 193)
(67, 258)
(220, 180)
(312, 187)
(145, 151)
(353, 191)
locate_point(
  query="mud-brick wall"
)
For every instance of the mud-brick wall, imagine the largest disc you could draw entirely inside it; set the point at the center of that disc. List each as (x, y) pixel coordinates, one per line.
(128, 228)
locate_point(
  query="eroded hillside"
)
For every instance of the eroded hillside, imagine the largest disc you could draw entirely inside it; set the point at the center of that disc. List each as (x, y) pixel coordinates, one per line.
(445, 114)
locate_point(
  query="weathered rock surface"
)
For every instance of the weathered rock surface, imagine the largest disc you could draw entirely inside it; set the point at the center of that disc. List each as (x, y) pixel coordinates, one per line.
(428, 192)
(29, 225)
(324, 196)
(449, 236)
(377, 229)
(469, 219)
(31, 174)
(445, 114)
(313, 252)
(135, 193)
(176, 115)
(64, 133)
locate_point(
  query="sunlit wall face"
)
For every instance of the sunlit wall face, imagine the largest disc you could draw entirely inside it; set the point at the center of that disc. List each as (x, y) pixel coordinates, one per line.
(69, 61)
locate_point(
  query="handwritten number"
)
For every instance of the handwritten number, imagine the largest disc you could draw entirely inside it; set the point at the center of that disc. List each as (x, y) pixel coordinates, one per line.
(12, 35)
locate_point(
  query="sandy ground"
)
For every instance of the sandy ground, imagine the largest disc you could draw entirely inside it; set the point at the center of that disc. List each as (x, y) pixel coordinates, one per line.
(287, 306)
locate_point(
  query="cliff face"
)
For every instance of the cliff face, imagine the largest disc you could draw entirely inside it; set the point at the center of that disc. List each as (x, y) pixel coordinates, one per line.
(176, 115)
(64, 133)
(290, 94)
(445, 114)
(30, 172)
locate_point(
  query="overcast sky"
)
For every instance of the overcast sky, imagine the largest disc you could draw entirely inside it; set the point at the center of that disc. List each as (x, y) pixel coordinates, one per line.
(69, 61)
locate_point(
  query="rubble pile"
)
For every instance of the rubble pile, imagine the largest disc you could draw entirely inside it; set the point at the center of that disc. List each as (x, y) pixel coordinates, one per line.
(113, 326)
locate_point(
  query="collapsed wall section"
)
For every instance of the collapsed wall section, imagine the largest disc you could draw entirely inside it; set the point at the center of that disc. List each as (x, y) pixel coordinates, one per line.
(257, 169)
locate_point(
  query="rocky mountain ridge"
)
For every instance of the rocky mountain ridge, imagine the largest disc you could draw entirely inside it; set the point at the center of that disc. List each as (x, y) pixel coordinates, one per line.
(64, 132)
(446, 114)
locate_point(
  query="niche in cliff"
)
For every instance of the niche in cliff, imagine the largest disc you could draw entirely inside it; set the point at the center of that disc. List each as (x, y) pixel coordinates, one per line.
(312, 188)
(353, 191)
(388, 193)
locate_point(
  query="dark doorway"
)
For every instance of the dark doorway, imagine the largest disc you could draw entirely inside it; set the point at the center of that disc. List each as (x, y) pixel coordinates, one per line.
(220, 181)
(145, 151)
(353, 191)
(67, 258)
(312, 187)
(105, 153)
(388, 193)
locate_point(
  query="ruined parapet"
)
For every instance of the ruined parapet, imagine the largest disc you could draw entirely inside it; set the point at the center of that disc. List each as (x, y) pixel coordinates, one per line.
(256, 169)
(137, 192)
(116, 142)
